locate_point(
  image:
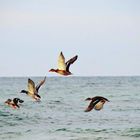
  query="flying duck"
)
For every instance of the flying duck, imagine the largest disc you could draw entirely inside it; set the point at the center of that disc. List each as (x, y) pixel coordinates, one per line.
(14, 103)
(33, 90)
(63, 67)
(97, 103)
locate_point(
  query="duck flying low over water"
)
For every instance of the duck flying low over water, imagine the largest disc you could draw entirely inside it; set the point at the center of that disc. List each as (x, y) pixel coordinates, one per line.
(96, 103)
(14, 103)
(63, 67)
(33, 90)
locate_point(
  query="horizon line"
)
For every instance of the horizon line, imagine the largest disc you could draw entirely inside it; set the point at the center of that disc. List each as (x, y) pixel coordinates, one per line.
(59, 76)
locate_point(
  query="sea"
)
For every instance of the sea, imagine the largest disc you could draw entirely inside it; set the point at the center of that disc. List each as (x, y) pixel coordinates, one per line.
(60, 113)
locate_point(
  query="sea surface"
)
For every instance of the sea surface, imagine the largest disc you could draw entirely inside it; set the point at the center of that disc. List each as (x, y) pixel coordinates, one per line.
(60, 114)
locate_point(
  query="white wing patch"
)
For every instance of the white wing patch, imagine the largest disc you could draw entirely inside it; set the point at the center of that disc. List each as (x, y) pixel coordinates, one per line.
(61, 62)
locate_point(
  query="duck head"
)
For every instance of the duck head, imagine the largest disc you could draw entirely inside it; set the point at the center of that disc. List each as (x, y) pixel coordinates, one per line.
(23, 91)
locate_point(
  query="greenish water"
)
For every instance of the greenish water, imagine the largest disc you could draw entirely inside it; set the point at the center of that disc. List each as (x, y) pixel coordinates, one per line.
(60, 114)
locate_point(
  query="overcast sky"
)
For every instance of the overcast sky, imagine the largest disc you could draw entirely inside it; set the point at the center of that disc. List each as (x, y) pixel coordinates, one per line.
(105, 34)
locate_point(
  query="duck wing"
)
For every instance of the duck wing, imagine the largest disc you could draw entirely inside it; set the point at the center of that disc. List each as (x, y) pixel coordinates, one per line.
(105, 99)
(92, 105)
(70, 61)
(100, 98)
(15, 101)
(40, 84)
(31, 87)
(61, 62)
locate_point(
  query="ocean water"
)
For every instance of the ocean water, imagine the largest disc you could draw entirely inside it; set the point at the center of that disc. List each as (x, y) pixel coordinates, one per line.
(60, 114)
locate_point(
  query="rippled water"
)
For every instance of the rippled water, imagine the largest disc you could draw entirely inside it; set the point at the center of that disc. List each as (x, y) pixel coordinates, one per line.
(60, 114)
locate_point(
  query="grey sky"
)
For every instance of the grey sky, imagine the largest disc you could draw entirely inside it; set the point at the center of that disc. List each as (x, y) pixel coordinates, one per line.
(105, 34)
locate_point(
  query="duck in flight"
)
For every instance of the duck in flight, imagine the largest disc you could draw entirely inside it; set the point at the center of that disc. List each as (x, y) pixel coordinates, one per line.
(63, 67)
(33, 90)
(14, 103)
(96, 103)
